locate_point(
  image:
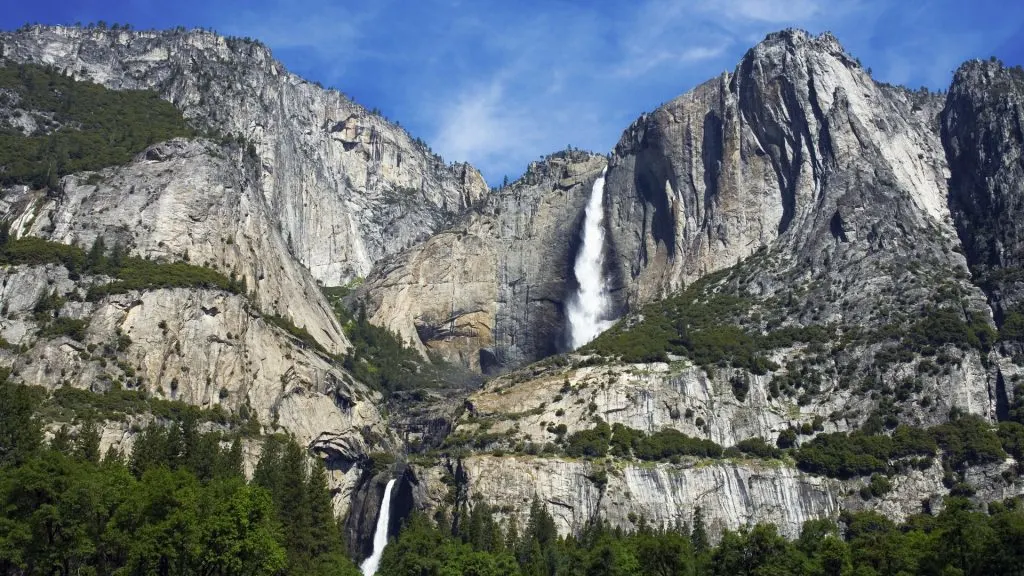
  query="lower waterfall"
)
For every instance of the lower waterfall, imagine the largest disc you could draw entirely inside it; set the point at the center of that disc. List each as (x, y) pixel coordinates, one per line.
(380, 535)
(588, 308)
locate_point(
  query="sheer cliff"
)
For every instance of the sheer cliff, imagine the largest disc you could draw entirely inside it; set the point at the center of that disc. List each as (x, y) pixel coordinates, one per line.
(804, 262)
(799, 252)
(490, 292)
(344, 186)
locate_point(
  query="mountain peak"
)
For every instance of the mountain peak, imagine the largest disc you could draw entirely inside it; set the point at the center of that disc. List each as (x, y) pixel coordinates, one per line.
(798, 41)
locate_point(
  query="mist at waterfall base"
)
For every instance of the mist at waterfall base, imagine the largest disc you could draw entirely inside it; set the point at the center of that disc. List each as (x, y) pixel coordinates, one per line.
(380, 535)
(588, 308)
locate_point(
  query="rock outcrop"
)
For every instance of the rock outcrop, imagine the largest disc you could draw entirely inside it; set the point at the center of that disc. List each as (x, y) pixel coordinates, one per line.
(344, 186)
(490, 291)
(185, 199)
(729, 494)
(795, 147)
(983, 131)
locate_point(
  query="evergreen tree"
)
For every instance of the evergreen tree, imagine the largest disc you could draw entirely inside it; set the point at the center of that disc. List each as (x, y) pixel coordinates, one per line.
(87, 443)
(20, 433)
(232, 463)
(699, 534)
(324, 535)
(62, 440)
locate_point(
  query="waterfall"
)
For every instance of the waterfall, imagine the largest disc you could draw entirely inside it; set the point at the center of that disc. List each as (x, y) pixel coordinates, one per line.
(588, 308)
(380, 536)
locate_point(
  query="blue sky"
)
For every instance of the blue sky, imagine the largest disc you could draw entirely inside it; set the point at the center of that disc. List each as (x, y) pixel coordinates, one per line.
(501, 83)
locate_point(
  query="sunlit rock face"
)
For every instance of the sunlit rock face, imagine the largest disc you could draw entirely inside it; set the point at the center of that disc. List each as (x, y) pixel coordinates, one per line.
(796, 147)
(345, 186)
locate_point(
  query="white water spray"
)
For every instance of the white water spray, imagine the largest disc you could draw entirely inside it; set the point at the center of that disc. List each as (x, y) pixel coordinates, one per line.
(588, 308)
(380, 536)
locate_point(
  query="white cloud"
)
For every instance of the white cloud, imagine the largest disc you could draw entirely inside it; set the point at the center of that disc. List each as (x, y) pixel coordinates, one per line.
(644, 62)
(767, 11)
(334, 32)
(496, 130)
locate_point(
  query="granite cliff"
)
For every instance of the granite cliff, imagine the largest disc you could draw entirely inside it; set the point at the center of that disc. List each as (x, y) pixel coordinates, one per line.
(795, 250)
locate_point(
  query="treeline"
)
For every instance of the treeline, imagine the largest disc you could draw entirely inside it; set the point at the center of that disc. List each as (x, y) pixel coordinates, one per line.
(79, 125)
(178, 504)
(966, 440)
(128, 272)
(961, 540)
(624, 441)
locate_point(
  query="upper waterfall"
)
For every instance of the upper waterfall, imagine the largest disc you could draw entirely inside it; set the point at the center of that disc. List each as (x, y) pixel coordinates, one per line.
(588, 308)
(380, 536)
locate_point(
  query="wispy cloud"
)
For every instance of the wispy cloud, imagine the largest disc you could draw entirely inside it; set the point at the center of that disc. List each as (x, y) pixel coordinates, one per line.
(486, 124)
(768, 11)
(334, 34)
(499, 83)
(643, 63)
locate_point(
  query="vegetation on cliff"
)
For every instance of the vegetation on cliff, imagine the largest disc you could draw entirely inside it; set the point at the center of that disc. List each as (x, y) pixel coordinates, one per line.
(78, 125)
(128, 272)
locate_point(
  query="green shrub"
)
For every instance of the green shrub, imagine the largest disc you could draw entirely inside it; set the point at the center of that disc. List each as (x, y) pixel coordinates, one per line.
(964, 441)
(669, 442)
(786, 439)
(740, 386)
(70, 327)
(592, 443)
(758, 448)
(96, 127)
(879, 485)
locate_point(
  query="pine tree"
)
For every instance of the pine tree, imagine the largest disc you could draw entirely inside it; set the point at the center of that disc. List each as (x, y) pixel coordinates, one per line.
(699, 535)
(62, 440)
(324, 537)
(267, 473)
(20, 433)
(232, 463)
(97, 255)
(87, 443)
(512, 535)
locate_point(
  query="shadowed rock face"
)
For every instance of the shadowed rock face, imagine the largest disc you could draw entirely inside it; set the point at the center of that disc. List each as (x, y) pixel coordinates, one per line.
(345, 186)
(367, 496)
(983, 131)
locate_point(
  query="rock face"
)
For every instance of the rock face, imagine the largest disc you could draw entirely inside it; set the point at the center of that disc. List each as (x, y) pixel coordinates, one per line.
(796, 145)
(490, 291)
(730, 495)
(186, 199)
(825, 196)
(344, 186)
(983, 131)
